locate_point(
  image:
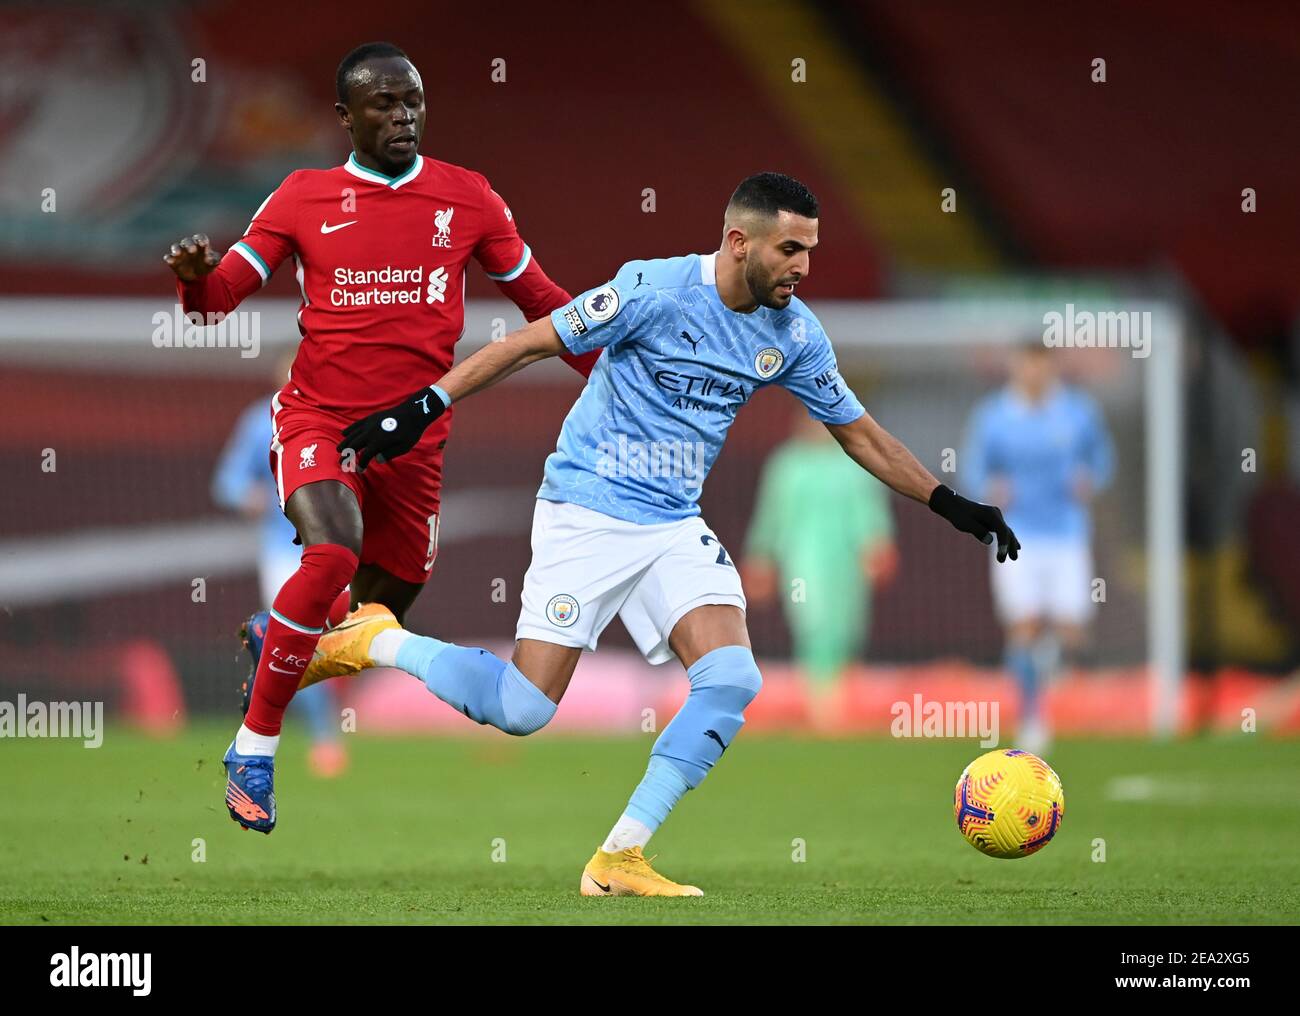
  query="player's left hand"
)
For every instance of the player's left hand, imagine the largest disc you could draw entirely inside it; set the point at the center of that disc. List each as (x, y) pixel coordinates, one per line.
(391, 432)
(982, 521)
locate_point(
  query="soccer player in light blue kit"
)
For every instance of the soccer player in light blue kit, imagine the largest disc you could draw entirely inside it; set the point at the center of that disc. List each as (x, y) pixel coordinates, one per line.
(617, 528)
(1041, 449)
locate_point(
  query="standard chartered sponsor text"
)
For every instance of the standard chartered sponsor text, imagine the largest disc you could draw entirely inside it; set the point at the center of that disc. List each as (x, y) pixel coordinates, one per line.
(376, 279)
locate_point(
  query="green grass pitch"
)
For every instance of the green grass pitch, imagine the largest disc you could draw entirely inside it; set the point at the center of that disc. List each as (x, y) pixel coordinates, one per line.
(496, 830)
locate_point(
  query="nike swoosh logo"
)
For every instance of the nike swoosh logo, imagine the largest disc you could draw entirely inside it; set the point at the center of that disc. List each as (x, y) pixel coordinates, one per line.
(602, 888)
(343, 626)
(326, 228)
(281, 670)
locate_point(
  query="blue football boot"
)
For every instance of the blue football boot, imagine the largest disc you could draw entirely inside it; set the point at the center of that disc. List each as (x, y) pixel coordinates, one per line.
(250, 789)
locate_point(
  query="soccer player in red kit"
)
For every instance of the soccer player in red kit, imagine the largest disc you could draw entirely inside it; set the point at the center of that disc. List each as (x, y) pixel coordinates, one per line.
(380, 247)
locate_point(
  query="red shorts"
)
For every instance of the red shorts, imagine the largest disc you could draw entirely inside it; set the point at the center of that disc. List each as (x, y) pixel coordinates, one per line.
(399, 500)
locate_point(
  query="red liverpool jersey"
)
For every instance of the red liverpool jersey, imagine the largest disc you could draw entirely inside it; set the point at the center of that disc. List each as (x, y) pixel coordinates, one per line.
(381, 265)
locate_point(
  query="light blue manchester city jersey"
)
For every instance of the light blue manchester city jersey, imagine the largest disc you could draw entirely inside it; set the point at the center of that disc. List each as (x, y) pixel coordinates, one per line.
(677, 366)
(1039, 450)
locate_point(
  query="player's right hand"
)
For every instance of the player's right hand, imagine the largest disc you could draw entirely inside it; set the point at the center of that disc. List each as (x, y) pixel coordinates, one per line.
(191, 257)
(391, 432)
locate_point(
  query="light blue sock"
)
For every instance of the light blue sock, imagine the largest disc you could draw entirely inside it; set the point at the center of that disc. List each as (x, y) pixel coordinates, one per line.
(723, 683)
(1023, 667)
(478, 684)
(659, 790)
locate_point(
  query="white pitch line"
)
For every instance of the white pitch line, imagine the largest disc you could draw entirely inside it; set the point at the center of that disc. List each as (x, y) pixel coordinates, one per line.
(1195, 792)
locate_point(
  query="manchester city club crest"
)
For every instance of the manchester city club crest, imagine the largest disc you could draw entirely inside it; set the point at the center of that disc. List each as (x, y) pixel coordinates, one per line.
(602, 304)
(768, 361)
(562, 610)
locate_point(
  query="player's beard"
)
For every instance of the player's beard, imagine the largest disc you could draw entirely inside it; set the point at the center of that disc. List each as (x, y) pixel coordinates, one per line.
(762, 287)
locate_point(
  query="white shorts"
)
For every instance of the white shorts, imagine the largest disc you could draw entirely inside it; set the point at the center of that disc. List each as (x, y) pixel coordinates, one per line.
(587, 567)
(1052, 580)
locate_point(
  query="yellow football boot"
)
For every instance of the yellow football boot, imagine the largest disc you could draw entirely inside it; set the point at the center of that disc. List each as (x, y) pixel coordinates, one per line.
(345, 649)
(628, 873)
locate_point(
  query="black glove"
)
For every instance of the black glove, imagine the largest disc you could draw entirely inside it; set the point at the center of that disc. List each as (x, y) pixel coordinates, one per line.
(982, 521)
(392, 432)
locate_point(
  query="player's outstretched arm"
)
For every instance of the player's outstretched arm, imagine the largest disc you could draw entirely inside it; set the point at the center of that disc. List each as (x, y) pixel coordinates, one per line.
(204, 282)
(536, 296)
(537, 340)
(509, 262)
(887, 458)
(393, 432)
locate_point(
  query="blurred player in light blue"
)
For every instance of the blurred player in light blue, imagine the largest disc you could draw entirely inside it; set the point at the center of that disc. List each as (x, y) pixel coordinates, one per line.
(1040, 448)
(617, 529)
(243, 483)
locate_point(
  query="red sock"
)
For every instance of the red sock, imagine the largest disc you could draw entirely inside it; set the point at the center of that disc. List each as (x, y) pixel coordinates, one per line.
(339, 609)
(298, 618)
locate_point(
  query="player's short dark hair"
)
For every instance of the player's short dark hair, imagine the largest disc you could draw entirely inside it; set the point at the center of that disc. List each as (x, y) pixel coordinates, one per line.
(367, 51)
(769, 193)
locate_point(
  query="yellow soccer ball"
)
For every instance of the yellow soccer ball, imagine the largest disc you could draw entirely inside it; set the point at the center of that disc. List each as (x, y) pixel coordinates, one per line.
(1009, 803)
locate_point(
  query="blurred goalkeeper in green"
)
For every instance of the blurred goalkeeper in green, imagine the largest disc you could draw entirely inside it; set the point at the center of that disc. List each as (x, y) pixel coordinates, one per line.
(824, 564)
